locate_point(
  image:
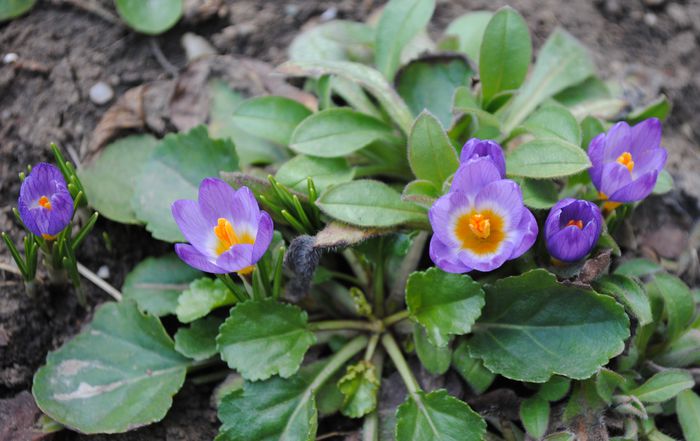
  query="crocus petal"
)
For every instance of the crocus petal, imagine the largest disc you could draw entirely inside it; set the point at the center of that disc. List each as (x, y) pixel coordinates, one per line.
(195, 259)
(528, 230)
(443, 213)
(644, 136)
(246, 211)
(504, 197)
(473, 175)
(237, 258)
(650, 160)
(596, 152)
(569, 245)
(215, 200)
(477, 148)
(635, 190)
(445, 258)
(264, 236)
(60, 214)
(196, 229)
(617, 141)
(488, 262)
(615, 176)
(29, 220)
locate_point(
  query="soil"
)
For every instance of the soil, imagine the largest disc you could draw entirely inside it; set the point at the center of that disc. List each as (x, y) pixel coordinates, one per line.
(64, 48)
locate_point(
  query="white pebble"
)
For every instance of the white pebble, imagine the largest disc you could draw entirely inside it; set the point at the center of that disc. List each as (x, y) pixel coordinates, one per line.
(10, 58)
(101, 93)
(103, 272)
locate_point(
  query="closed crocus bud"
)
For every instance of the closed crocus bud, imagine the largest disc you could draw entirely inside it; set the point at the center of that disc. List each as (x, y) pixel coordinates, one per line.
(627, 161)
(572, 229)
(45, 204)
(477, 148)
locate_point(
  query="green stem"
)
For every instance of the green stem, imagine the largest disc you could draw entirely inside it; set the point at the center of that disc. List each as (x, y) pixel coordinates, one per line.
(371, 347)
(211, 377)
(330, 325)
(400, 362)
(239, 294)
(346, 277)
(356, 267)
(346, 353)
(395, 318)
(378, 282)
(370, 426)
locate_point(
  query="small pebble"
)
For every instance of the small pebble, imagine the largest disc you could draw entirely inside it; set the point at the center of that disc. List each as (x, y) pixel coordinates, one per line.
(101, 93)
(103, 272)
(650, 19)
(10, 58)
(329, 14)
(196, 46)
(678, 14)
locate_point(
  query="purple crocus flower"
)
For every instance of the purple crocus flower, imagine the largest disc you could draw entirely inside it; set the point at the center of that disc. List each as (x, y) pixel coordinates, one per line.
(225, 229)
(476, 148)
(481, 222)
(572, 229)
(626, 161)
(45, 204)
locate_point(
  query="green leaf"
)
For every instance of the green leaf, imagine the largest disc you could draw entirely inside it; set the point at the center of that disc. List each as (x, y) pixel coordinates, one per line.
(505, 53)
(338, 132)
(325, 172)
(198, 342)
(369, 203)
(150, 16)
(678, 302)
(607, 382)
(540, 194)
(359, 387)
(534, 413)
(437, 416)
(430, 82)
(562, 62)
(555, 389)
(400, 22)
(465, 102)
(110, 179)
(10, 9)
(533, 327)
(664, 183)
(173, 172)
(435, 359)
(688, 410)
(659, 108)
(335, 40)
(638, 268)
(272, 118)
(120, 373)
(201, 297)
(683, 352)
(430, 152)
(590, 128)
(469, 29)
(264, 338)
(547, 158)
(157, 282)
(663, 386)
(553, 121)
(471, 369)
(444, 303)
(629, 293)
(421, 192)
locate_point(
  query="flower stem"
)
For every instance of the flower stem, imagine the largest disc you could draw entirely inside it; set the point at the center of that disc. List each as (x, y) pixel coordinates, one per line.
(340, 357)
(238, 293)
(370, 426)
(371, 347)
(400, 362)
(395, 318)
(378, 282)
(356, 266)
(343, 324)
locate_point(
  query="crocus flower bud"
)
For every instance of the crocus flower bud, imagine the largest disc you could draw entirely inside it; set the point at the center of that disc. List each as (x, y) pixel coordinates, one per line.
(45, 204)
(572, 229)
(226, 230)
(477, 148)
(626, 161)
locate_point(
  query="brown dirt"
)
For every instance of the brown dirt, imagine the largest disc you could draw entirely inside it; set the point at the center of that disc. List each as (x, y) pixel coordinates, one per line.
(63, 50)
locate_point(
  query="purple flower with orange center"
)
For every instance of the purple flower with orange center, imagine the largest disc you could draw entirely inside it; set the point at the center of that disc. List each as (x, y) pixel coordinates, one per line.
(476, 148)
(226, 230)
(627, 161)
(45, 204)
(481, 222)
(572, 229)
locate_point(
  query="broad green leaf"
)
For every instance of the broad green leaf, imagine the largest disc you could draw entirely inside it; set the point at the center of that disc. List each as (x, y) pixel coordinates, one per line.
(435, 359)
(401, 21)
(533, 327)
(272, 118)
(555, 389)
(444, 303)
(471, 369)
(679, 306)
(539, 194)
(560, 436)
(325, 172)
(465, 102)
(264, 338)
(359, 387)
(110, 179)
(421, 192)
(437, 416)
(683, 352)
(663, 386)
(506, 50)
(607, 382)
(553, 121)
(367, 77)
(201, 297)
(688, 410)
(338, 132)
(638, 268)
(369, 203)
(469, 29)
(174, 171)
(120, 373)
(590, 128)
(591, 98)
(150, 16)
(10, 9)
(157, 282)
(430, 152)
(664, 183)
(198, 341)
(659, 108)
(562, 62)
(629, 293)
(546, 158)
(534, 414)
(429, 83)
(335, 40)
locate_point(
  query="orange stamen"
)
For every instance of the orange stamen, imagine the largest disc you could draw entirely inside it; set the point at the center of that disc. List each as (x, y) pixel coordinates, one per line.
(480, 226)
(480, 232)
(44, 202)
(576, 223)
(626, 160)
(608, 206)
(227, 236)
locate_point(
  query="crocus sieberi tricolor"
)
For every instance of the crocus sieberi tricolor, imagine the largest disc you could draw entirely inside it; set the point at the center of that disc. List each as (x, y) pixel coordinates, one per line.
(226, 230)
(572, 229)
(481, 222)
(45, 204)
(477, 148)
(627, 161)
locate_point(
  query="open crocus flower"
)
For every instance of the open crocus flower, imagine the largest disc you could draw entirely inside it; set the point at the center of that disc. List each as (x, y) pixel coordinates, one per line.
(626, 161)
(45, 204)
(572, 229)
(477, 148)
(226, 230)
(481, 222)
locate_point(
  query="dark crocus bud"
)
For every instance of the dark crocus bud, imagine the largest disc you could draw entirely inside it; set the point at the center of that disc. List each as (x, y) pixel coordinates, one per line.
(45, 204)
(572, 229)
(477, 148)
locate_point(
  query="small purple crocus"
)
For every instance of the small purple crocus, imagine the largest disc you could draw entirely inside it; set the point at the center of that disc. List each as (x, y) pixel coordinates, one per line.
(626, 161)
(476, 148)
(481, 222)
(572, 229)
(45, 204)
(226, 230)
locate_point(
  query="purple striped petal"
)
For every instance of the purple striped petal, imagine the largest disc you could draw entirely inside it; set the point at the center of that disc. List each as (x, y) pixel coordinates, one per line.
(471, 176)
(45, 181)
(528, 230)
(635, 190)
(264, 236)
(488, 262)
(215, 197)
(477, 148)
(197, 230)
(504, 197)
(195, 259)
(445, 258)
(570, 243)
(237, 258)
